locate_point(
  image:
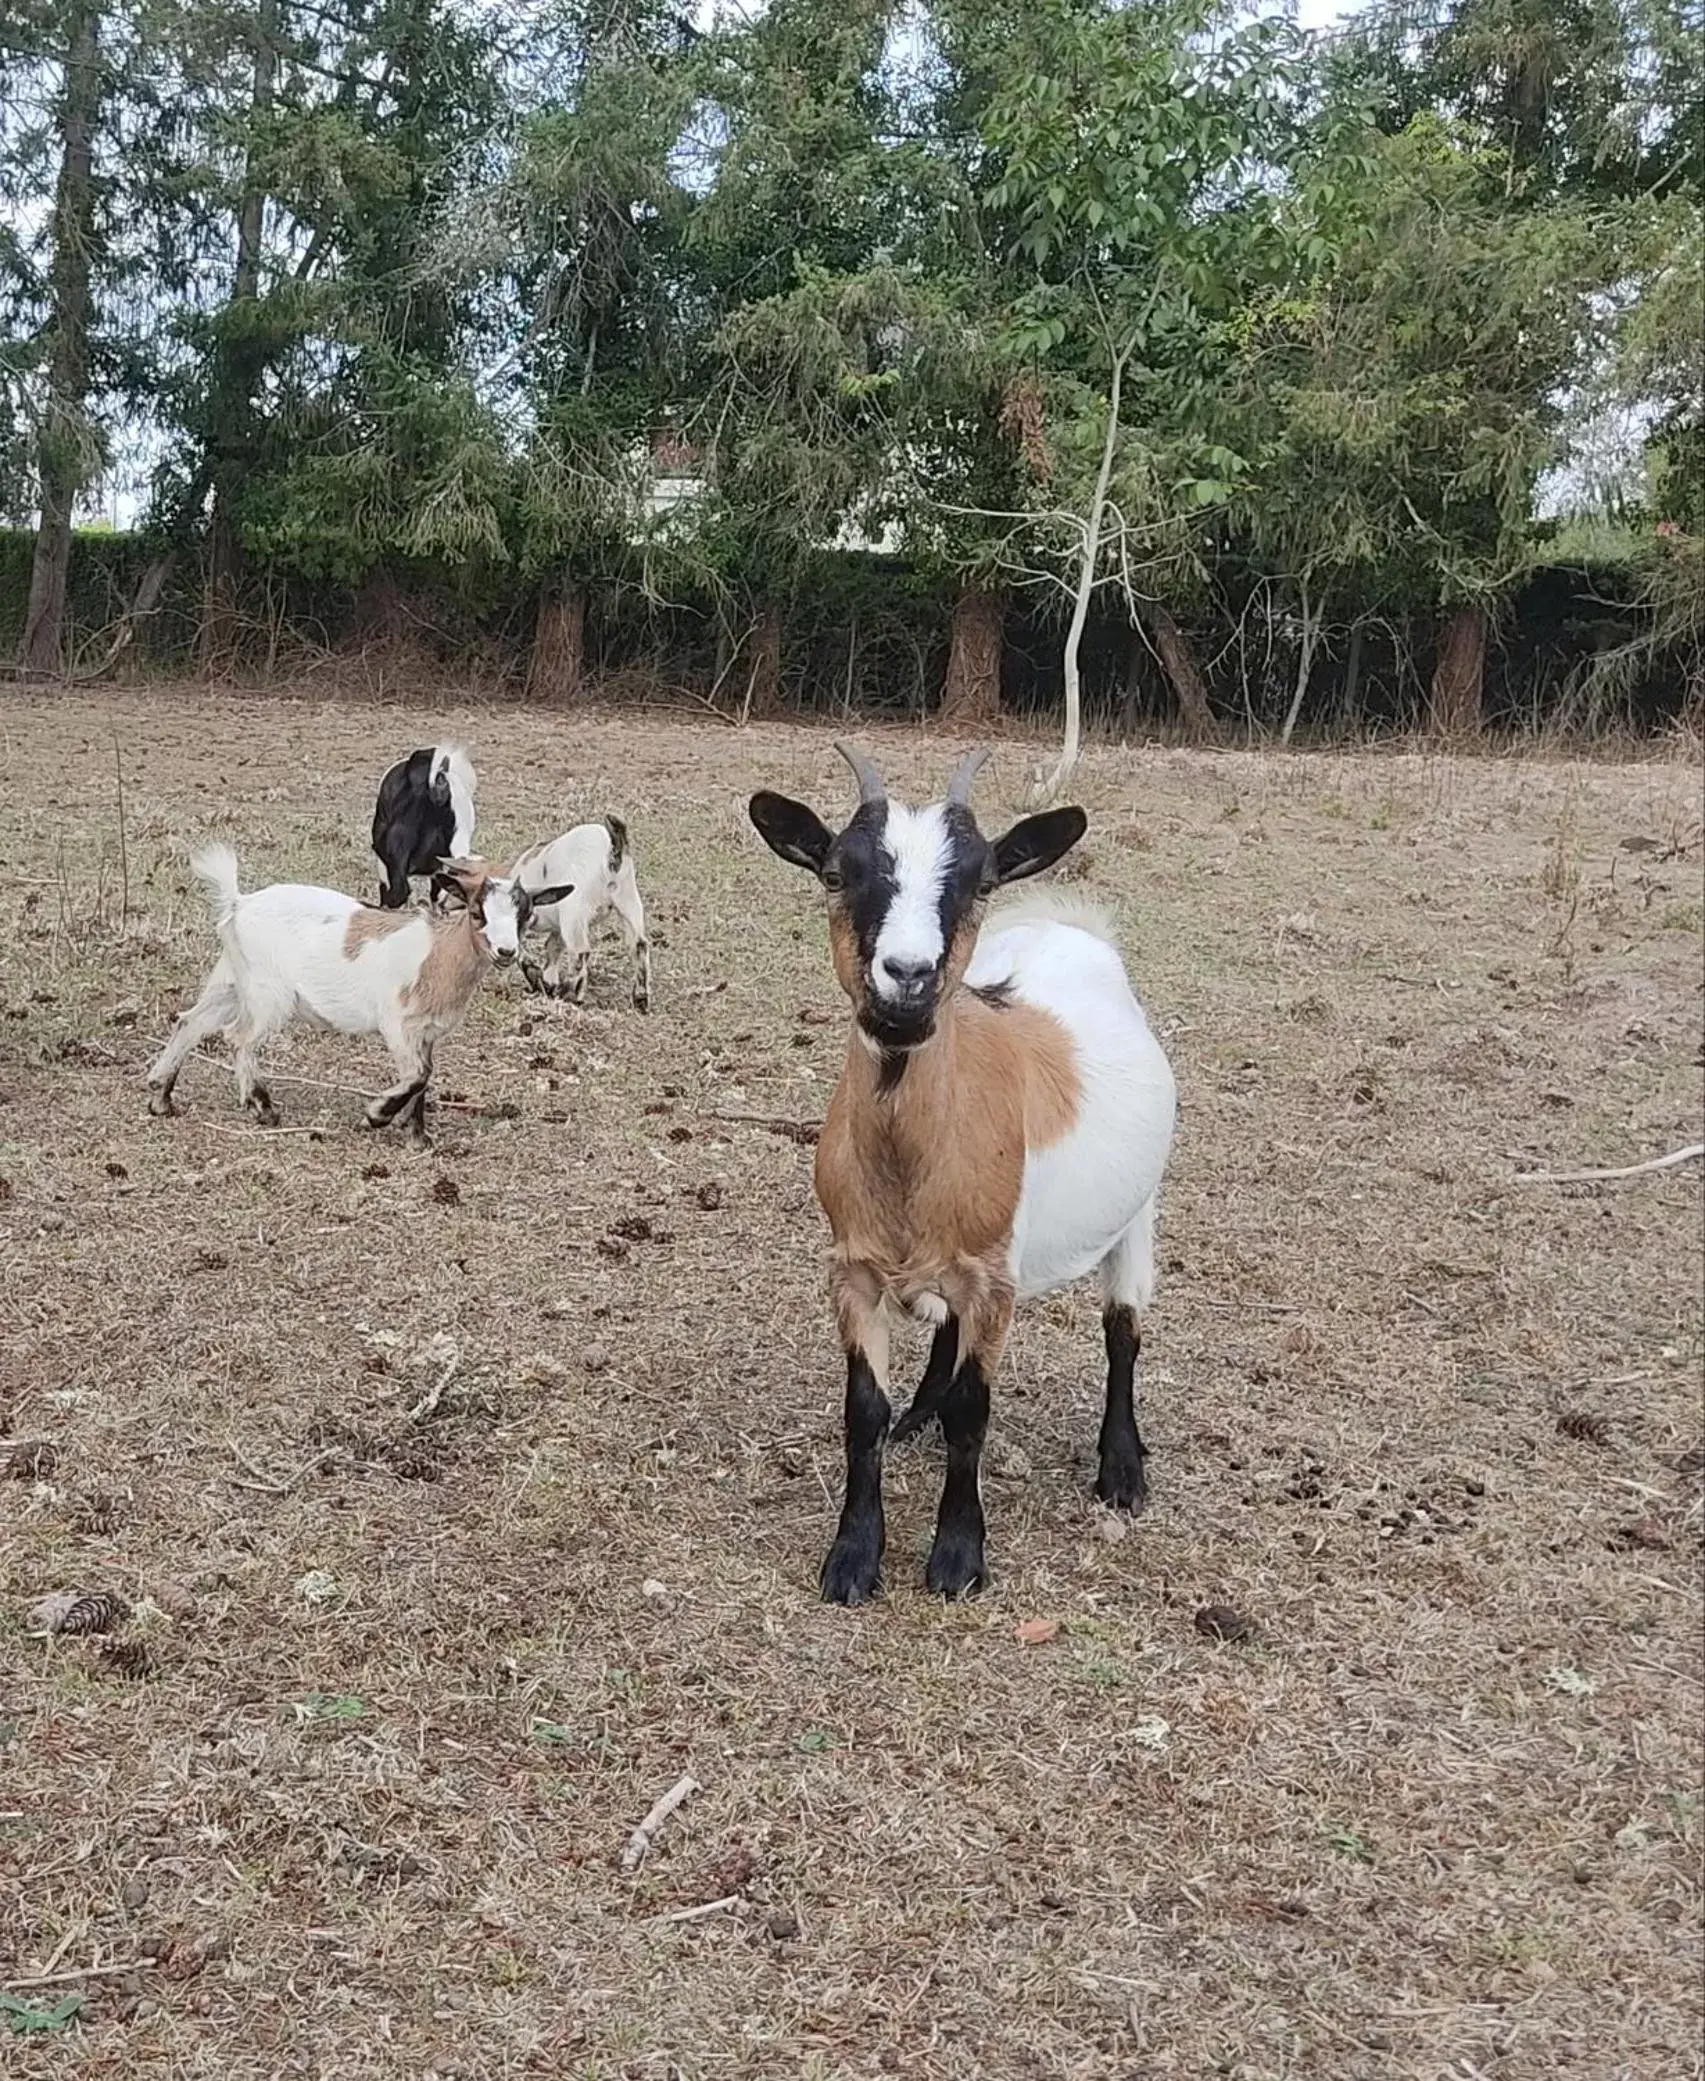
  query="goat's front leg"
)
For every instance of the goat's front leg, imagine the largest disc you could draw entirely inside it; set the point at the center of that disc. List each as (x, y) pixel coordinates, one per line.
(956, 1559)
(408, 1094)
(852, 1568)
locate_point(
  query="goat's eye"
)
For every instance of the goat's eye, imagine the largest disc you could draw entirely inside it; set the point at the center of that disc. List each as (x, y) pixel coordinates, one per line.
(833, 880)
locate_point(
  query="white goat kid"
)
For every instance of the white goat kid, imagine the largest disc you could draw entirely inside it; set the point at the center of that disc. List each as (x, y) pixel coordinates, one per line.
(596, 860)
(294, 951)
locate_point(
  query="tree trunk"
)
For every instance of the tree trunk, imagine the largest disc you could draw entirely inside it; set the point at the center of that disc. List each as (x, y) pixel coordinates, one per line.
(1349, 709)
(1305, 665)
(380, 618)
(1459, 674)
(558, 656)
(1131, 707)
(236, 373)
(763, 678)
(973, 691)
(1183, 675)
(1091, 554)
(62, 454)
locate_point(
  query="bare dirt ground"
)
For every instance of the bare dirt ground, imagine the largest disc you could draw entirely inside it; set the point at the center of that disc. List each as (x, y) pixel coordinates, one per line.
(352, 1781)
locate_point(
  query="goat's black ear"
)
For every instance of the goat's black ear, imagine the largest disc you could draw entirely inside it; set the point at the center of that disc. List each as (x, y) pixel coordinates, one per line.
(538, 899)
(446, 890)
(790, 830)
(1037, 842)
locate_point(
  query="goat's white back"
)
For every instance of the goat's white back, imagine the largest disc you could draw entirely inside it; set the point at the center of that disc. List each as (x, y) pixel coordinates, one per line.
(453, 762)
(290, 940)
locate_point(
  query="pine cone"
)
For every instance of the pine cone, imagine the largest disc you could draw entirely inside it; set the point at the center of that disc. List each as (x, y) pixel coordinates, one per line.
(131, 1659)
(1586, 1425)
(97, 1614)
(33, 1460)
(99, 1516)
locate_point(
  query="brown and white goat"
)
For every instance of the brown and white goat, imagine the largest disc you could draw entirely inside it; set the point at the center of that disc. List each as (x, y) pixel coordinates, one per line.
(294, 951)
(1000, 1128)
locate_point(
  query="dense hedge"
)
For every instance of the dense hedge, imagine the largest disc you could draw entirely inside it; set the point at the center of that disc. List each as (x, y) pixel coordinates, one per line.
(869, 635)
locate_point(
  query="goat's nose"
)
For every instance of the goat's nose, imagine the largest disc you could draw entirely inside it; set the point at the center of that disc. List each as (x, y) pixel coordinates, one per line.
(906, 975)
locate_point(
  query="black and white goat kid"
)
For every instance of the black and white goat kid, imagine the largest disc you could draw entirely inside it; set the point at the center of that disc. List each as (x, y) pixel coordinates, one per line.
(424, 814)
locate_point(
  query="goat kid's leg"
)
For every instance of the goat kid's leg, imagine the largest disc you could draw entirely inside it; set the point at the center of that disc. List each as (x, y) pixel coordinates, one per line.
(852, 1568)
(956, 1559)
(1127, 1287)
(541, 976)
(632, 914)
(926, 1404)
(211, 1012)
(579, 971)
(413, 1060)
(252, 1094)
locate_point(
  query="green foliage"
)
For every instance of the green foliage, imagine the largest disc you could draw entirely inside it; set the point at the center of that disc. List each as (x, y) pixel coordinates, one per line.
(24, 2018)
(496, 301)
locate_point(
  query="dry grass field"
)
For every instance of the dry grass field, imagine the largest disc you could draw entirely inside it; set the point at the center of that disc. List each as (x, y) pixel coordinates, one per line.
(346, 1792)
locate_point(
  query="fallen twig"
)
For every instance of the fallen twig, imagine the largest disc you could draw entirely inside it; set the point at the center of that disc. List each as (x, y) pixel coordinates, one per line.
(267, 1486)
(82, 1972)
(260, 1134)
(280, 1076)
(1627, 1170)
(708, 1907)
(805, 1132)
(639, 1843)
(429, 1401)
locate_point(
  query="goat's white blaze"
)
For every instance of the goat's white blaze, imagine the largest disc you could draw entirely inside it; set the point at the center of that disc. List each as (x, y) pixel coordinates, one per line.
(502, 919)
(910, 935)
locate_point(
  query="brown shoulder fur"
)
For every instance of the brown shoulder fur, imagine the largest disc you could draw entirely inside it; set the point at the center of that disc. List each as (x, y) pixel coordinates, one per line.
(366, 925)
(454, 964)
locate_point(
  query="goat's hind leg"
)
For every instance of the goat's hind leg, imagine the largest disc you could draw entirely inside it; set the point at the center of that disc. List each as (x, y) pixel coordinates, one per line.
(627, 906)
(939, 1369)
(252, 1094)
(1127, 1291)
(214, 1010)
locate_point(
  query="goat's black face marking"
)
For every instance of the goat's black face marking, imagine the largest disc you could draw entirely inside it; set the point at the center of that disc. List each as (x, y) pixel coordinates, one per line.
(907, 882)
(906, 889)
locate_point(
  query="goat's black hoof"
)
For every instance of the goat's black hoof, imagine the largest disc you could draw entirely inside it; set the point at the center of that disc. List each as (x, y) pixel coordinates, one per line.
(532, 975)
(160, 1104)
(266, 1115)
(956, 1567)
(852, 1570)
(1122, 1483)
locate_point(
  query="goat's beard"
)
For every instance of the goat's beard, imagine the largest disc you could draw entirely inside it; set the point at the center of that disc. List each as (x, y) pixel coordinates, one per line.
(890, 1029)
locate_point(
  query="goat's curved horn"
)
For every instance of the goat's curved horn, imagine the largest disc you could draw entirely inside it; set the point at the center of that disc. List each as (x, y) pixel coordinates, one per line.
(871, 787)
(959, 787)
